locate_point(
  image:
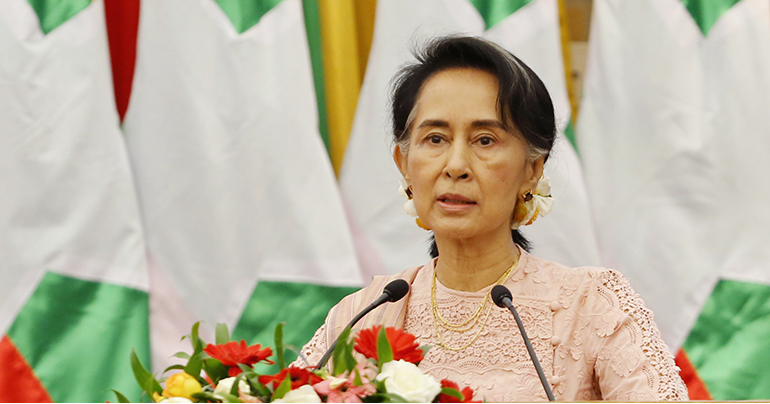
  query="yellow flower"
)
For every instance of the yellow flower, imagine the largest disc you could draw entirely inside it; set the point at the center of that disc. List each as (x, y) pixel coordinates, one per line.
(181, 385)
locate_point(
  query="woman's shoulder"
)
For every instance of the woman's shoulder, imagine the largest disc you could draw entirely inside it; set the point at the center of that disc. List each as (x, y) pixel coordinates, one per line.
(574, 282)
(375, 287)
(559, 272)
(353, 303)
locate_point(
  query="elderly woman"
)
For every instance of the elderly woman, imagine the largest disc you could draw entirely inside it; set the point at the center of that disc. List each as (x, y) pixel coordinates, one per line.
(473, 127)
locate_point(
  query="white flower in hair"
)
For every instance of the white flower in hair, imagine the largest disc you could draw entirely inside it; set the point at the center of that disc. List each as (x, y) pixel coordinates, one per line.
(541, 203)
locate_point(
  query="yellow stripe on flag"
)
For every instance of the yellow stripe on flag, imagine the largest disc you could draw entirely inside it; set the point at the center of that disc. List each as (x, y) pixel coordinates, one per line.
(567, 56)
(346, 34)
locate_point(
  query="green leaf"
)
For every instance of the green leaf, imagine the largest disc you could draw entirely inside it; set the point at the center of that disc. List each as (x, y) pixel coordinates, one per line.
(146, 381)
(205, 397)
(279, 345)
(222, 334)
(172, 367)
(215, 369)
(425, 349)
(349, 356)
(196, 341)
(234, 389)
(121, 397)
(246, 368)
(181, 355)
(342, 357)
(450, 391)
(384, 351)
(149, 385)
(357, 379)
(231, 398)
(283, 388)
(258, 389)
(194, 366)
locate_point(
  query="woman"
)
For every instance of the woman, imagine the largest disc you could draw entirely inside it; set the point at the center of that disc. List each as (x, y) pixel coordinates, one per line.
(473, 127)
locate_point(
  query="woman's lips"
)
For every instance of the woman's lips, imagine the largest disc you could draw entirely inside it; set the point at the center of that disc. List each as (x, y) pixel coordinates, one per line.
(455, 203)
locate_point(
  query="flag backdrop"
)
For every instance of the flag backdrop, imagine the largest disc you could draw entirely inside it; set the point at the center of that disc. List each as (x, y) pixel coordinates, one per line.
(215, 198)
(238, 195)
(673, 134)
(73, 296)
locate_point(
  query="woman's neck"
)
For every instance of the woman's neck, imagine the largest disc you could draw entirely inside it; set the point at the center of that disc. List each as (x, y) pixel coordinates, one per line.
(471, 265)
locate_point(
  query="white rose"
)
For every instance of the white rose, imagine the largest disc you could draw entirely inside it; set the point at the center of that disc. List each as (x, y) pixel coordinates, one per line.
(407, 380)
(226, 385)
(304, 394)
(175, 400)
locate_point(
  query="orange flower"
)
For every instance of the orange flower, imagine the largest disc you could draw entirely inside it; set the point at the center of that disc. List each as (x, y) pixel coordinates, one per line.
(233, 353)
(402, 343)
(299, 378)
(446, 398)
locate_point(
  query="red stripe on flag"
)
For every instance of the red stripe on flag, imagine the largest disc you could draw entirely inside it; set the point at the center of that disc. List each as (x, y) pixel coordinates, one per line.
(695, 386)
(122, 25)
(18, 382)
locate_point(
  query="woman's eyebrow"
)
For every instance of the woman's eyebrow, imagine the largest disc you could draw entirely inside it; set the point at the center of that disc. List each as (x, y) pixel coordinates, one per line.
(487, 123)
(435, 123)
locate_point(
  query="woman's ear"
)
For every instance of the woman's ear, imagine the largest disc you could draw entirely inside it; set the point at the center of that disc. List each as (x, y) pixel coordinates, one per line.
(400, 159)
(536, 167)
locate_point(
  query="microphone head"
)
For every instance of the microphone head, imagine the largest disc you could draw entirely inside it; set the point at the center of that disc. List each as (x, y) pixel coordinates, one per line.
(499, 292)
(396, 290)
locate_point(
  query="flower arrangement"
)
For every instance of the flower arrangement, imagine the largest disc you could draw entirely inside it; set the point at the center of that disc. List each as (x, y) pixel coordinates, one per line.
(224, 372)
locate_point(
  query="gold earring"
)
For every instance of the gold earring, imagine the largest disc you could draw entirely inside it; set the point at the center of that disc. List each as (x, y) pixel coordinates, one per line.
(527, 196)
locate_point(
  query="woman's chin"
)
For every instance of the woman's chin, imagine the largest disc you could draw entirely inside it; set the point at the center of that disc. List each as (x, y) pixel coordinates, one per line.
(459, 231)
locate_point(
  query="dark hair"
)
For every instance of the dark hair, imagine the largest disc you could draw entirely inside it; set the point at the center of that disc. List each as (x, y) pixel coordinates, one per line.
(523, 103)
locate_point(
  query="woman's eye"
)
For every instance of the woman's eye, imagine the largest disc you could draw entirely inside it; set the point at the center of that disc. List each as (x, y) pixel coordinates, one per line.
(435, 139)
(485, 141)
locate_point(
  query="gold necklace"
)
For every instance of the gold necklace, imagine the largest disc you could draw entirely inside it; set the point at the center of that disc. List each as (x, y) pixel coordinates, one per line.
(473, 319)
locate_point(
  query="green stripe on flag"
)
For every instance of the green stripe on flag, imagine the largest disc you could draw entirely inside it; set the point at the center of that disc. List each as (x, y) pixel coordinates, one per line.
(313, 28)
(494, 11)
(77, 335)
(707, 12)
(730, 344)
(53, 13)
(244, 14)
(302, 306)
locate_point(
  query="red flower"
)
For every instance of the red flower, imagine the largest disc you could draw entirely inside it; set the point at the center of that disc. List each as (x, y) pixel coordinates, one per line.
(446, 398)
(233, 353)
(403, 344)
(299, 378)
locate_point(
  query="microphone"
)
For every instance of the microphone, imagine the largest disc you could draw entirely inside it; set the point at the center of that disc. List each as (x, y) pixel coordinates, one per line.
(393, 292)
(502, 298)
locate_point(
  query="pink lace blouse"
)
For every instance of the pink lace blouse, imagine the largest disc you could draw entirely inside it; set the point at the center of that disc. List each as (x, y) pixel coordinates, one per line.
(593, 335)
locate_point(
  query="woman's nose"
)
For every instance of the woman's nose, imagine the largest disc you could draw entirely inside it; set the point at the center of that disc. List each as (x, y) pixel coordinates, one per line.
(457, 164)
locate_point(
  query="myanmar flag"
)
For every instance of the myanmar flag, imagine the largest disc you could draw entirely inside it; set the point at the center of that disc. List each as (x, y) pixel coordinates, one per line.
(243, 218)
(530, 29)
(73, 296)
(673, 135)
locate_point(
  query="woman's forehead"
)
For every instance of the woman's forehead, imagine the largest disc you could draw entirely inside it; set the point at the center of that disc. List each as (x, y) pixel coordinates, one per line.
(468, 95)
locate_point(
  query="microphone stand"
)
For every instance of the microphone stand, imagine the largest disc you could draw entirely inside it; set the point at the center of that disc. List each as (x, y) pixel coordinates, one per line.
(505, 299)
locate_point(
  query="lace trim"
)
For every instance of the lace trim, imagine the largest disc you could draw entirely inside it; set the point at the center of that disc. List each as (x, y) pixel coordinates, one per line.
(664, 377)
(313, 350)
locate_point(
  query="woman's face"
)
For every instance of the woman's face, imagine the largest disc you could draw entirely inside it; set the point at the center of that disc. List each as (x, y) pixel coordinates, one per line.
(465, 170)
